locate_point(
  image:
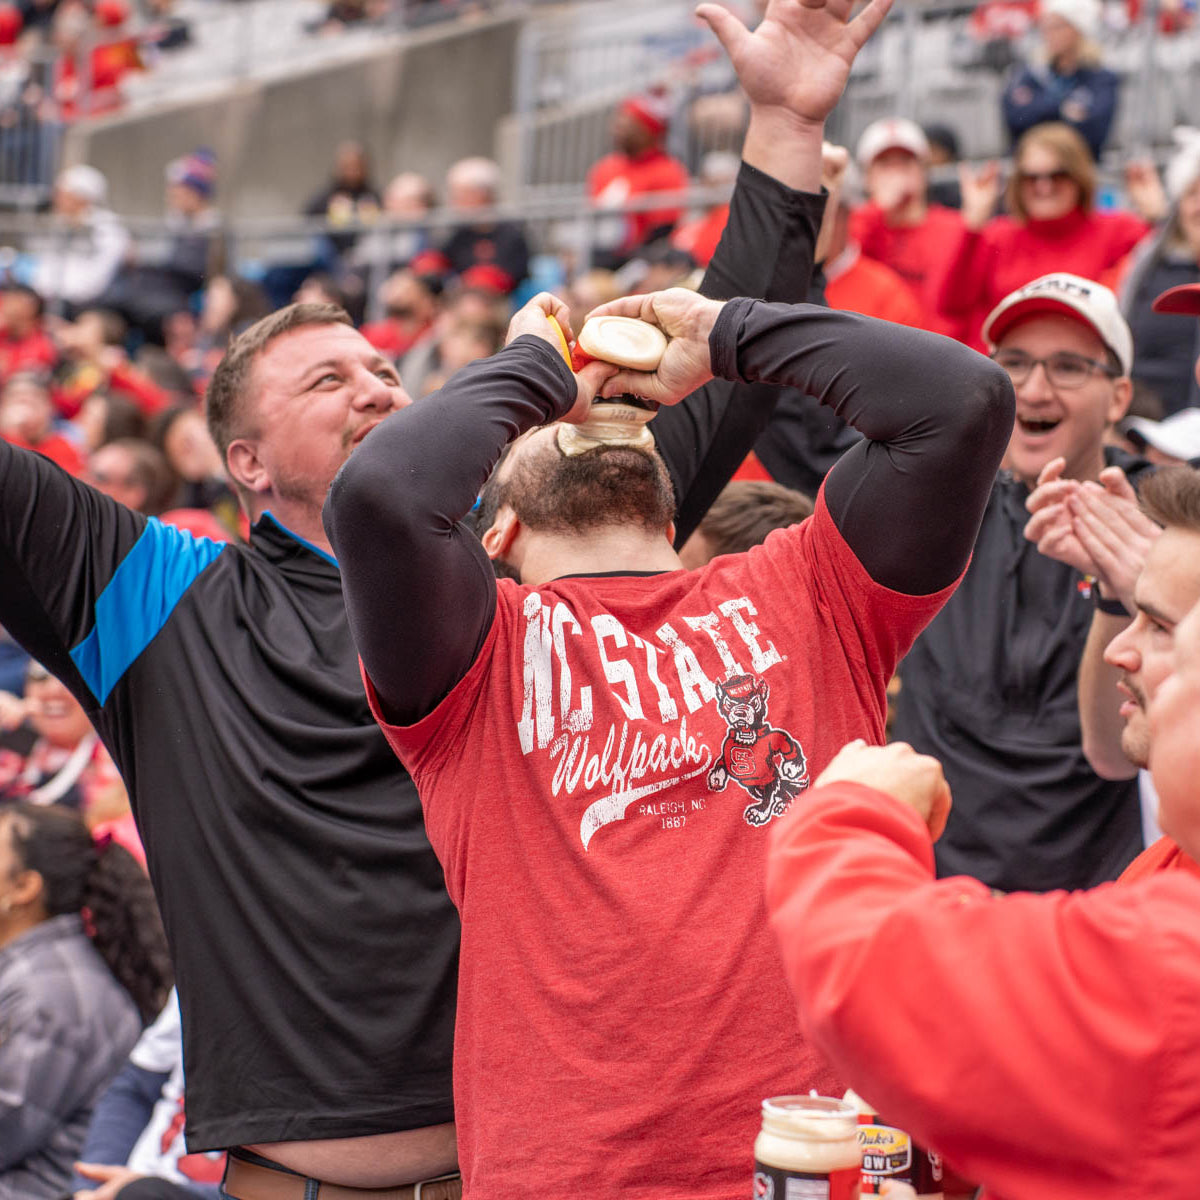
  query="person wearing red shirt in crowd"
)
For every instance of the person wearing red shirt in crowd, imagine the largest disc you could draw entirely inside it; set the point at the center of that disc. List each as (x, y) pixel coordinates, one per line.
(410, 304)
(93, 347)
(638, 166)
(1045, 1045)
(24, 343)
(86, 91)
(1053, 227)
(854, 282)
(898, 226)
(26, 420)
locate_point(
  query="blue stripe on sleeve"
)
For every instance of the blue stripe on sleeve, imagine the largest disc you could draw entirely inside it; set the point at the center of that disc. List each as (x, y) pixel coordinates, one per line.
(139, 600)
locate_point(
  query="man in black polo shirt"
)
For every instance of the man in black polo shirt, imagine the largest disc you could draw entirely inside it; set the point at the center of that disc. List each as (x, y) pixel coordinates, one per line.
(989, 687)
(314, 944)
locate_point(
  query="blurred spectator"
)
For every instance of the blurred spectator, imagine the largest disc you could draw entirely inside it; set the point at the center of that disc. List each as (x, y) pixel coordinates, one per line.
(27, 419)
(183, 437)
(410, 303)
(67, 763)
(37, 17)
(133, 473)
(83, 964)
(146, 295)
(459, 342)
(745, 512)
(1167, 344)
(408, 197)
(137, 1128)
(24, 343)
(164, 29)
(78, 263)
(638, 166)
(1052, 226)
(483, 253)
(854, 282)
(92, 87)
(104, 418)
(588, 291)
(13, 663)
(658, 266)
(94, 360)
(898, 226)
(1070, 86)
(700, 235)
(349, 198)
(943, 154)
(342, 14)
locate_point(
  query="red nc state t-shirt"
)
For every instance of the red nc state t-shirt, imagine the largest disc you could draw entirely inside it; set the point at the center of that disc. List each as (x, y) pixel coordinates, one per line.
(599, 789)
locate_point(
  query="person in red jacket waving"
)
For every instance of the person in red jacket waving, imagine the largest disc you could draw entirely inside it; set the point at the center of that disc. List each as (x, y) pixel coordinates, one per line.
(1061, 1054)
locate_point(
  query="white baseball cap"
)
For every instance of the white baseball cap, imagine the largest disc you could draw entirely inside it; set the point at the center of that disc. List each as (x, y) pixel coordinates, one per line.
(85, 182)
(1085, 15)
(1070, 294)
(1177, 435)
(891, 133)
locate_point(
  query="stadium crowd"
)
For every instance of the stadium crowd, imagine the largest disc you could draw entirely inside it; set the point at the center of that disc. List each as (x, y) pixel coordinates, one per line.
(923, 471)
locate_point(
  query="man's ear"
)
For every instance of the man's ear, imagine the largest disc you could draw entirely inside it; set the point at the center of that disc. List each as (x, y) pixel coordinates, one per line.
(498, 540)
(1122, 397)
(27, 888)
(245, 468)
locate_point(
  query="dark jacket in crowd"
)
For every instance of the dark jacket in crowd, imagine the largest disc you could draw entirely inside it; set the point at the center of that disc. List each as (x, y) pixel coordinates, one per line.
(500, 246)
(66, 1028)
(990, 690)
(1165, 345)
(1086, 100)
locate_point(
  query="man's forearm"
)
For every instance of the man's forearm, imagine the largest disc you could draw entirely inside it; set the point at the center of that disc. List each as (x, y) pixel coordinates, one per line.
(407, 489)
(1100, 702)
(935, 416)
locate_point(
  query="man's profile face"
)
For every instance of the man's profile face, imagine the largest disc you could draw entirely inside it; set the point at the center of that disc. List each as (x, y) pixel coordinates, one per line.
(1175, 739)
(1054, 421)
(314, 394)
(1143, 652)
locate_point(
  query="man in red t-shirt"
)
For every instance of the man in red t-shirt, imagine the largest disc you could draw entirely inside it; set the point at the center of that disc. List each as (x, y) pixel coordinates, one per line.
(622, 1011)
(24, 343)
(638, 166)
(898, 226)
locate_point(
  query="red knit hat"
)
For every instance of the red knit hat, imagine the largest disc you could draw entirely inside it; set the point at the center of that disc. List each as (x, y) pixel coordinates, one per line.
(651, 109)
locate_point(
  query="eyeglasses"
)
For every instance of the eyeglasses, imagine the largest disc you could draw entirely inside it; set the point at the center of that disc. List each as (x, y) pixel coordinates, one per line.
(1059, 176)
(1063, 370)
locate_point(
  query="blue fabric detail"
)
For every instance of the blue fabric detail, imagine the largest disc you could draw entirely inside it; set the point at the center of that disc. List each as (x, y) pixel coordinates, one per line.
(303, 541)
(139, 600)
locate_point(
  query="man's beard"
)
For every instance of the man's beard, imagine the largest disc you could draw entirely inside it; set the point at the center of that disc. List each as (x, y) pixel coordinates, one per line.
(610, 485)
(1135, 737)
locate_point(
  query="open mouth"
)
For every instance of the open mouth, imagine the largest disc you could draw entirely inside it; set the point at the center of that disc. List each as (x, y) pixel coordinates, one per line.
(1037, 427)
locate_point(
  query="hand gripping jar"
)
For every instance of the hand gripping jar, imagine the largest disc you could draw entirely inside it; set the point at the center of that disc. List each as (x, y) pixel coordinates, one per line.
(807, 1150)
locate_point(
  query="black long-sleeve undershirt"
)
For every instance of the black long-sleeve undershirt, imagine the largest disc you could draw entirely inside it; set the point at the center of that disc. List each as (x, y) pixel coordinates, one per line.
(908, 499)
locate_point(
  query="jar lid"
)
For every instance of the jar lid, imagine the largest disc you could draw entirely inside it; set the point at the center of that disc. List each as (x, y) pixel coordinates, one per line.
(816, 1117)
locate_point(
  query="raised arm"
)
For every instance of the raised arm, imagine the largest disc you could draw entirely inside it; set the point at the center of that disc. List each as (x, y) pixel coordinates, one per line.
(793, 68)
(935, 417)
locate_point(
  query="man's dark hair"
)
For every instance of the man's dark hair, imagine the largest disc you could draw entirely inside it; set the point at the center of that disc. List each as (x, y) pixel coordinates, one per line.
(749, 509)
(230, 381)
(1171, 496)
(22, 289)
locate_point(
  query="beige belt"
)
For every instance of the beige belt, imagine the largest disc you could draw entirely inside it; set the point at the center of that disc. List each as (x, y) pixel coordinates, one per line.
(249, 1181)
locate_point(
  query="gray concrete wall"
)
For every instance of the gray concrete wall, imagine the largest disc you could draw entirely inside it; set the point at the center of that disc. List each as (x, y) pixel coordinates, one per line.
(417, 103)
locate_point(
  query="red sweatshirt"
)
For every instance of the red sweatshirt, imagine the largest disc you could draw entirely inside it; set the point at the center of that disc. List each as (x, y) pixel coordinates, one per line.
(914, 252)
(1047, 1045)
(978, 269)
(618, 178)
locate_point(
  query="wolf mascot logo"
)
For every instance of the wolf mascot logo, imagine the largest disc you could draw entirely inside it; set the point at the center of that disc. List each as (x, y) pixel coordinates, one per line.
(767, 763)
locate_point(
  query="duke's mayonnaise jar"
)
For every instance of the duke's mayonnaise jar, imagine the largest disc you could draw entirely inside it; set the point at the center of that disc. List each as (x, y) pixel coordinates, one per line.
(807, 1150)
(889, 1153)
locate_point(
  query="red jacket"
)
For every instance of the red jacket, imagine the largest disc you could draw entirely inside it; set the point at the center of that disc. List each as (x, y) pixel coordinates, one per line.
(978, 269)
(915, 253)
(855, 283)
(1046, 1045)
(617, 178)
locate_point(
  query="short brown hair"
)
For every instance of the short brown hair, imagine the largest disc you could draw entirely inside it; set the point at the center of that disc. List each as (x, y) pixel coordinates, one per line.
(1073, 154)
(226, 390)
(1171, 496)
(150, 471)
(749, 509)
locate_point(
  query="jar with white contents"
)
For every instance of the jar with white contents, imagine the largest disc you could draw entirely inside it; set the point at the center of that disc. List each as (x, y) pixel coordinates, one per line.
(807, 1150)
